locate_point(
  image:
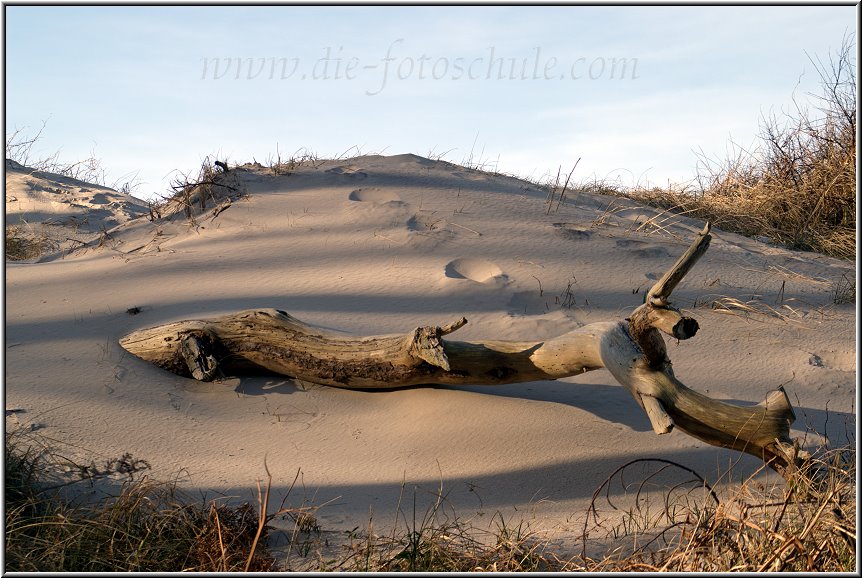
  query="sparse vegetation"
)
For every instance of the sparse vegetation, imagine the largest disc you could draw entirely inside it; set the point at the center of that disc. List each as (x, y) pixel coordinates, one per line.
(552, 194)
(148, 526)
(214, 187)
(672, 523)
(798, 188)
(663, 516)
(22, 242)
(287, 166)
(441, 543)
(844, 291)
(19, 148)
(804, 525)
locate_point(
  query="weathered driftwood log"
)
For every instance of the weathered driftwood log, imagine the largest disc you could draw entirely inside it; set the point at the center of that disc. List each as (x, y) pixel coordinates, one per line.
(633, 351)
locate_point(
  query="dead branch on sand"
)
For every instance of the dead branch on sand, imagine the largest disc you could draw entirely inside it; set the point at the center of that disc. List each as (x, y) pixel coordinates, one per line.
(633, 350)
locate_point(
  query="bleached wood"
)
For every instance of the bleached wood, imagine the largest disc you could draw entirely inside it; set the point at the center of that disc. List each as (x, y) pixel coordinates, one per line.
(660, 292)
(632, 350)
(275, 341)
(659, 419)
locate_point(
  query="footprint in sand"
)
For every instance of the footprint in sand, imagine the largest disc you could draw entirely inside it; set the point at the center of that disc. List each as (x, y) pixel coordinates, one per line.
(374, 196)
(638, 250)
(572, 231)
(348, 171)
(652, 252)
(624, 243)
(644, 252)
(477, 270)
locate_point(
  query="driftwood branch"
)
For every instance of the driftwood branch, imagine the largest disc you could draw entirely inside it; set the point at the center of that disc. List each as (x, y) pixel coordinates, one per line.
(660, 292)
(632, 350)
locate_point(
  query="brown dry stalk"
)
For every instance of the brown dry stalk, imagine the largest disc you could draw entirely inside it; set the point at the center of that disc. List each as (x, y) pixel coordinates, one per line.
(263, 503)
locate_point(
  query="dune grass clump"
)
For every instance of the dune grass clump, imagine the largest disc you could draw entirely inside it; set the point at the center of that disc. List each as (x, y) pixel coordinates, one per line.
(798, 187)
(148, 526)
(21, 243)
(844, 291)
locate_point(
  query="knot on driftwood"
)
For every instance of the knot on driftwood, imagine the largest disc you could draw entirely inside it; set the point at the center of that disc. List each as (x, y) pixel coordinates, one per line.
(198, 351)
(426, 343)
(685, 328)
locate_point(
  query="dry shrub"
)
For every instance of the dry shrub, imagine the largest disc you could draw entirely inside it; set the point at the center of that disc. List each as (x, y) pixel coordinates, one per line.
(805, 524)
(214, 187)
(798, 188)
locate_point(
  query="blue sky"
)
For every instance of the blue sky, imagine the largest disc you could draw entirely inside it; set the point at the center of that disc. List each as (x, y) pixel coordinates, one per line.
(634, 92)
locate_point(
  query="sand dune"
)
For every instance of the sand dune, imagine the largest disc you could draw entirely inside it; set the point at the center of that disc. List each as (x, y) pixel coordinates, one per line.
(64, 209)
(375, 245)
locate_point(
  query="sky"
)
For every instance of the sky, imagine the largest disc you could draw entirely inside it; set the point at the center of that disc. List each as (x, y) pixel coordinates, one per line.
(640, 94)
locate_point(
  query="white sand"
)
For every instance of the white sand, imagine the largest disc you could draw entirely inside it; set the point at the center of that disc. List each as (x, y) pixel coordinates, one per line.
(62, 209)
(377, 245)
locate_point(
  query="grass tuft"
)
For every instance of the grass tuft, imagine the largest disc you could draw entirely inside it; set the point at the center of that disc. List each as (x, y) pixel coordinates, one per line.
(797, 188)
(844, 291)
(148, 526)
(22, 243)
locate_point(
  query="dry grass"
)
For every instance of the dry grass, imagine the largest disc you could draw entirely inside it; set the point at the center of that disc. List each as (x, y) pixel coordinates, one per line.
(287, 166)
(438, 541)
(148, 526)
(754, 309)
(19, 148)
(552, 193)
(666, 517)
(805, 525)
(23, 242)
(212, 188)
(660, 516)
(844, 291)
(798, 188)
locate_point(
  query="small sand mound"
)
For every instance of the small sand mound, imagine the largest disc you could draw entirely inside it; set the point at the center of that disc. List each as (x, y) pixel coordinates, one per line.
(374, 196)
(477, 270)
